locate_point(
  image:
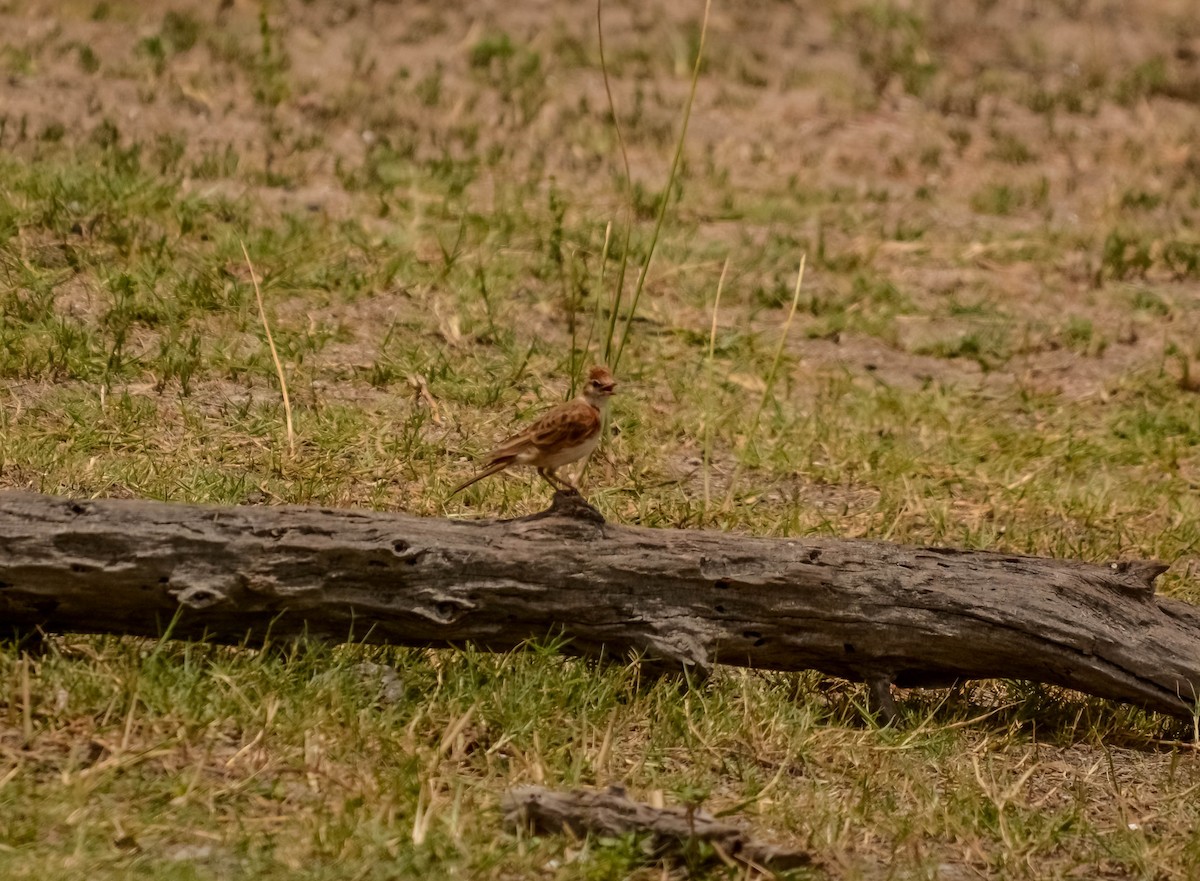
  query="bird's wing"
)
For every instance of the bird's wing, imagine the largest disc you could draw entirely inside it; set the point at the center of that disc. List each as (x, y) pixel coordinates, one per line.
(567, 425)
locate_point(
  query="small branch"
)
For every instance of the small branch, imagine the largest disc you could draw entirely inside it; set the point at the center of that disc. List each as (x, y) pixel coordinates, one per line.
(611, 812)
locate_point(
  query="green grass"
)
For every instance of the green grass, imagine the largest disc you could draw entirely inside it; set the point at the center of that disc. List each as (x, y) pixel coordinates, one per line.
(987, 351)
(195, 761)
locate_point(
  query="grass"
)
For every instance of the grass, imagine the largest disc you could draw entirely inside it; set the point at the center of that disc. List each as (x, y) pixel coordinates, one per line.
(988, 350)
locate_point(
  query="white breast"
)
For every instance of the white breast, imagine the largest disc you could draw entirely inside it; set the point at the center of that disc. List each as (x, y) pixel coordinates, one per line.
(558, 458)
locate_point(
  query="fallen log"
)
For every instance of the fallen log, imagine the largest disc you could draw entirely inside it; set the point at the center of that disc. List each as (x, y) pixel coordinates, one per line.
(671, 829)
(869, 611)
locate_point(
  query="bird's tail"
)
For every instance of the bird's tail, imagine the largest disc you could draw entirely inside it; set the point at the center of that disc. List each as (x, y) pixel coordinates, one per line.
(486, 472)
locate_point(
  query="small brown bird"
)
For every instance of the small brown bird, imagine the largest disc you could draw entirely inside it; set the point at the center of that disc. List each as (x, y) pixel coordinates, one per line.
(566, 434)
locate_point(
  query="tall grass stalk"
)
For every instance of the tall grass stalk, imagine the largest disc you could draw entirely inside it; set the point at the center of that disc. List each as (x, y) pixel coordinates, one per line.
(612, 110)
(770, 382)
(708, 381)
(577, 366)
(262, 314)
(615, 359)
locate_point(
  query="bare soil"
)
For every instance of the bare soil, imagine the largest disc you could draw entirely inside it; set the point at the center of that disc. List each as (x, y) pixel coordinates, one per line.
(797, 102)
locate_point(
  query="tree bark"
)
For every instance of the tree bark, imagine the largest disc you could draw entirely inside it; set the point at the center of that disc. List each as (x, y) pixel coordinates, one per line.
(862, 610)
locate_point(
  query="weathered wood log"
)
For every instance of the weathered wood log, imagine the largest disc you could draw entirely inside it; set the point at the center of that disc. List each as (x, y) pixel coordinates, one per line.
(611, 812)
(862, 610)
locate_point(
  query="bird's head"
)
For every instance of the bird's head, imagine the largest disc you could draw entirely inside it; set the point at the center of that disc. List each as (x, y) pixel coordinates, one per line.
(600, 386)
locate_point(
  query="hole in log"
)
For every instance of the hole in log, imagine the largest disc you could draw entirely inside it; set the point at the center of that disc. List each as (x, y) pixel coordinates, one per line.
(848, 648)
(814, 555)
(760, 642)
(79, 567)
(405, 552)
(4, 584)
(722, 584)
(379, 564)
(720, 608)
(165, 579)
(446, 611)
(200, 597)
(752, 634)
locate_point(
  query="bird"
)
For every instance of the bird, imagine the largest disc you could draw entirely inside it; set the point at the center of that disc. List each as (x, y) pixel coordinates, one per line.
(565, 434)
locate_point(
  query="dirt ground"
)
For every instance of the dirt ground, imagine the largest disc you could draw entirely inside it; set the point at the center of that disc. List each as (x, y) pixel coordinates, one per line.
(896, 123)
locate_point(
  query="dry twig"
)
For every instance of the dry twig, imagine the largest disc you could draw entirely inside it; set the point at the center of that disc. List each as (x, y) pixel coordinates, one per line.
(672, 829)
(262, 313)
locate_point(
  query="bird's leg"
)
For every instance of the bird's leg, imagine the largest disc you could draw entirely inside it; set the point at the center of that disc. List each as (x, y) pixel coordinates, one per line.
(569, 485)
(560, 485)
(568, 482)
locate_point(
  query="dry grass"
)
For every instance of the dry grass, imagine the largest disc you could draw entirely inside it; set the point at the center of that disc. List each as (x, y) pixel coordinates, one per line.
(997, 206)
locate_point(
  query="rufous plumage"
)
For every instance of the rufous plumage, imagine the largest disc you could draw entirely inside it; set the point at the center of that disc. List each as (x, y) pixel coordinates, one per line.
(565, 434)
